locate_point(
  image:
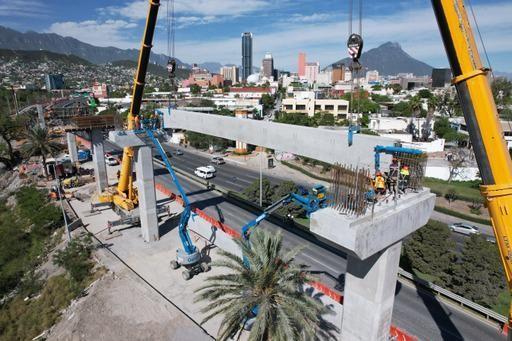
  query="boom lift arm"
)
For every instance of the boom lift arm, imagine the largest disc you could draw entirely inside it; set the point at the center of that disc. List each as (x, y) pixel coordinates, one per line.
(475, 96)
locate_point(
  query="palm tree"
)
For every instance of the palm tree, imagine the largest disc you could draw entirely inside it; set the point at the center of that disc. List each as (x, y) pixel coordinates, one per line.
(272, 283)
(39, 143)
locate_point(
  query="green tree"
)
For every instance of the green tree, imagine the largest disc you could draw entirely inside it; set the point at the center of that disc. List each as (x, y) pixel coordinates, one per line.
(442, 127)
(365, 120)
(430, 251)
(425, 93)
(478, 276)
(39, 143)
(267, 101)
(272, 282)
(402, 109)
(252, 192)
(195, 89)
(11, 129)
(326, 119)
(396, 88)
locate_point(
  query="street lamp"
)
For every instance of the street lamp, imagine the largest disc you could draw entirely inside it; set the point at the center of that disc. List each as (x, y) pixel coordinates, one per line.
(57, 184)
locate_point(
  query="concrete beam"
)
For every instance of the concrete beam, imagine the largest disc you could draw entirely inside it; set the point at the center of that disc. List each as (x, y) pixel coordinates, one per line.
(326, 145)
(73, 153)
(125, 138)
(40, 116)
(98, 159)
(147, 195)
(366, 235)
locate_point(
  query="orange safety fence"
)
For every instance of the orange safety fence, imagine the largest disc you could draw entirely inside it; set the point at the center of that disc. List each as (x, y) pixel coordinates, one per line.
(397, 333)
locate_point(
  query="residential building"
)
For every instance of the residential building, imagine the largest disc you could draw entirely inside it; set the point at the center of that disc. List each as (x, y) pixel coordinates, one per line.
(267, 66)
(203, 78)
(338, 73)
(311, 71)
(230, 73)
(246, 55)
(100, 90)
(441, 78)
(54, 82)
(338, 107)
(324, 77)
(302, 64)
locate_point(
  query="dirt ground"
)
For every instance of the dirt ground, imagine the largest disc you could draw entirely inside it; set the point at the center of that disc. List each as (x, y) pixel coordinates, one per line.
(462, 206)
(121, 307)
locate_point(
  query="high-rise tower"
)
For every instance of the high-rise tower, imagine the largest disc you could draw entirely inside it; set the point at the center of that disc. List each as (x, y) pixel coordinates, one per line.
(267, 66)
(302, 64)
(246, 55)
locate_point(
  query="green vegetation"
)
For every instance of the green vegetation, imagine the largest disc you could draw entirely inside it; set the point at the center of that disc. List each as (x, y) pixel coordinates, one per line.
(443, 130)
(75, 258)
(11, 129)
(267, 101)
(25, 235)
(464, 190)
(40, 143)
(203, 141)
(476, 273)
(361, 103)
(273, 283)
(296, 119)
(195, 89)
(502, 91)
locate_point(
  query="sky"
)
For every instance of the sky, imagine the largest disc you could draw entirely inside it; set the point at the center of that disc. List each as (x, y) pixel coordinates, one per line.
(210, 30)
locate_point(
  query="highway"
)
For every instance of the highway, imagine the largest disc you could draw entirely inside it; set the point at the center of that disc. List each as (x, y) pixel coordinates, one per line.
(417, 312)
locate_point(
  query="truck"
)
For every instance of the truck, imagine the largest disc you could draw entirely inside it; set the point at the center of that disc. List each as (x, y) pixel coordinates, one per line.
(84, 155)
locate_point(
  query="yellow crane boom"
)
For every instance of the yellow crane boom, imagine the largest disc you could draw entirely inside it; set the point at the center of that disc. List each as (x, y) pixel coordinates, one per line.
(472, 83)
(125, 196)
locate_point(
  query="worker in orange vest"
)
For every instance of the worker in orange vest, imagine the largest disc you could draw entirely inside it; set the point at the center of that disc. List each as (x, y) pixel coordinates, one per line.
(379, 183)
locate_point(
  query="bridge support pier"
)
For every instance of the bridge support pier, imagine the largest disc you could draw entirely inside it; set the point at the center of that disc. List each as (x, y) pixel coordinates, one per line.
(147, 195)
(98, 159)
(373, 242)
(73, 154)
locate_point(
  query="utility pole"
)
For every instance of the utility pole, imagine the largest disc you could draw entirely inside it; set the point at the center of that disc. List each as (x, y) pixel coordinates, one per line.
(261, 181)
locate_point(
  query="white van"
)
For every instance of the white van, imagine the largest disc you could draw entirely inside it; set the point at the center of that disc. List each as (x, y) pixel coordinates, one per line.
(204, 172)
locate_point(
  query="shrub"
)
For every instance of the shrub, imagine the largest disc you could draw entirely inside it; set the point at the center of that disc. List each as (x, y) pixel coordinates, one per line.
(451, 195)
(75, 258)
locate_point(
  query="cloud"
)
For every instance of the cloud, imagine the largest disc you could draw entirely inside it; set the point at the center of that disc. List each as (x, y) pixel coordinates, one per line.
(324, 40)
(99, 33)
(23, 8)
(137, 10)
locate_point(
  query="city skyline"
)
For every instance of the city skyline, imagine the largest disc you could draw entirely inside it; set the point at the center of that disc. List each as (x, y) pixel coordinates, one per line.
(208, 31)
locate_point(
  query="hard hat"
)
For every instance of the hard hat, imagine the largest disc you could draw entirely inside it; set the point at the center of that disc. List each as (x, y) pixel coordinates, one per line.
(378, 174)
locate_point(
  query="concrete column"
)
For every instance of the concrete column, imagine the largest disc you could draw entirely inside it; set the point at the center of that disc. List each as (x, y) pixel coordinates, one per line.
(98, 159)
(147, 195)
(73, 154)
(40, 116)
(369, 295)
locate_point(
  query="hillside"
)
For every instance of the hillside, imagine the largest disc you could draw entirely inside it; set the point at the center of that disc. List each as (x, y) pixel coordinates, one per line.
(30, 41)
(154, 69)
(391, 59)
(40, 56)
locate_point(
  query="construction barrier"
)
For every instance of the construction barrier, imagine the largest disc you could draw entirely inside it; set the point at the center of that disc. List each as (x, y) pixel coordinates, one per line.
(396, 333)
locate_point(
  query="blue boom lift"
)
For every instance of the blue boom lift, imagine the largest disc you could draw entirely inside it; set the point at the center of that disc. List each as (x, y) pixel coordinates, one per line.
(190, 256)
(393, 150)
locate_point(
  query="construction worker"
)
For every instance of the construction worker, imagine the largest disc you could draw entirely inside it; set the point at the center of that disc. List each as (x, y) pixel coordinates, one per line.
(393, 175)
(404, 177)
(380, 184)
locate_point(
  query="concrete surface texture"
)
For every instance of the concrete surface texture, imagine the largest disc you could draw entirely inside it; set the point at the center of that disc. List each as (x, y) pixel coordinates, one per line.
(98, 158)
(151, 261)
(73, 153)
(125, 138)
(369, 295)
(322, 144)
(147, 196)
(368, 234)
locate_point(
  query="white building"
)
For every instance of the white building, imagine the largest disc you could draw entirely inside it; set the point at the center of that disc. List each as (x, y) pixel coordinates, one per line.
(311, 71)
(324, 77)
(338, 107)
(372, 76)
(230, 73)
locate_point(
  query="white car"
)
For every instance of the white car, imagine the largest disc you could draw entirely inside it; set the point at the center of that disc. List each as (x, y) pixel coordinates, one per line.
(111, 161)
(464, 228)
(204, 172)
(211, 168)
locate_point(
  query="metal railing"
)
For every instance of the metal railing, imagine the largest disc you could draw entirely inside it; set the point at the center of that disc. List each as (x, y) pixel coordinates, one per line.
(463, 302)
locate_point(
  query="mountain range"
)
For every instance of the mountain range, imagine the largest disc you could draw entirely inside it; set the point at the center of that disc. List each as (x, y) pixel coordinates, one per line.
(390, 59)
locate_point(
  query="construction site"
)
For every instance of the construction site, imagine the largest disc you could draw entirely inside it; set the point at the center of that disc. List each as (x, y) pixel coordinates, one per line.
(161, 223)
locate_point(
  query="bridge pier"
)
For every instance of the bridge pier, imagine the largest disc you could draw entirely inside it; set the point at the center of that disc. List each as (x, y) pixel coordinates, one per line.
(373, 243)
(98, 159)
(73, 153)
(147, 195)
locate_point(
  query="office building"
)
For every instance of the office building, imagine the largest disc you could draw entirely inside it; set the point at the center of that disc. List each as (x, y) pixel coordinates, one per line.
(302, 64)
(230, 73)
(372, 76)
(54, 82)
(310, 105)
(338, 73)
(311, 71)
(267, 66)
(441, 78)
(246, 55)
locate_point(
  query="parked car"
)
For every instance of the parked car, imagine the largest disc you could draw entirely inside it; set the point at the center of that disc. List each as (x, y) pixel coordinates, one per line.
(111, 161)
(217, 160)
(464, 228)
(204, 172)
(178, 152)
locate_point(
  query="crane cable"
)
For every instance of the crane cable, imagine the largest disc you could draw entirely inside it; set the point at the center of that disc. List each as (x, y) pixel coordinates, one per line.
(171, 64)
(355, 47)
